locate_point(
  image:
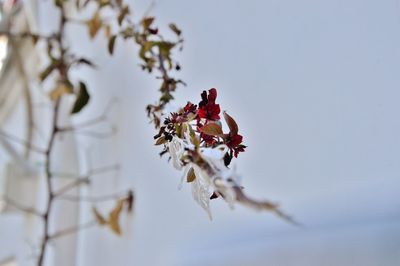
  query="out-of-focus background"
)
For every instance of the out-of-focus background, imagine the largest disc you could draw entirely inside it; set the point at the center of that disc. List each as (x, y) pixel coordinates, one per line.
(314, 86)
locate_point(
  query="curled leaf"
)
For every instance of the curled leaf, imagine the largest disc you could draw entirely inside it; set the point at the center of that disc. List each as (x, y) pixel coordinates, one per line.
(233, 127)
(160, 140)
(111, 43)
(82, 98)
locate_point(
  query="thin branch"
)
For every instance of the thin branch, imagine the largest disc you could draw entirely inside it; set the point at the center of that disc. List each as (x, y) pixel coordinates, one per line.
(27, 35)
(22, 142)
(74, 184)
(98, 135)
(21, 208)
(91, 172)
(97, 120)
(93, 199)
(72, 230)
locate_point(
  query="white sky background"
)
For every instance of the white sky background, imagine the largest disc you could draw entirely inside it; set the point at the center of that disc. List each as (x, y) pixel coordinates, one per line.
(314, 87)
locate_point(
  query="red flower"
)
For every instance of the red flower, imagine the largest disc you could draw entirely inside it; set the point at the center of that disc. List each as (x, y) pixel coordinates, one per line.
(207, 107)
(190, 108)
(234, 143)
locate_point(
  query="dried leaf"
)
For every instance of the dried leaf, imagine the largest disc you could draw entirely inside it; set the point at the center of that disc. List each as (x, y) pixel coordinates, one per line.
(212, 129)
(161, 140)
(122, 14)
(99, 218)
(59, 91)
(111, 43)
(191, 176)
(82, 99)
(233, 127)
(146, 22)
(113, 220)
(175, 29)
(94, 25)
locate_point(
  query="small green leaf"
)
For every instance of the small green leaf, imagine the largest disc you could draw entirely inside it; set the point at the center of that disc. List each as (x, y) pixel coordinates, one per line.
(82, 98)
(111, 43)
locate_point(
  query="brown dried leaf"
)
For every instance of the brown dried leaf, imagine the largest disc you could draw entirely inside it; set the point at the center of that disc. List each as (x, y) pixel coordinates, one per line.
(113, 219)
(161, 140)
(59, 91)
(122, 14)
(233, 127)
(191, 176)
(146, 22)
(212, 129)
(94, 25)
(99, 218)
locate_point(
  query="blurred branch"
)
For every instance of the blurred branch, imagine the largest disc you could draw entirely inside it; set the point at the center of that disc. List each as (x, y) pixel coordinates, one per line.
(72, 230)
(23, 142)
(84, 179)
(97, 120)
(30, 35)
(93, 199)
(21, 208)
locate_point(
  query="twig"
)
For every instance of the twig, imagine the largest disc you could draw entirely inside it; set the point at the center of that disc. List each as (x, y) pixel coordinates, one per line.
(92, 172)
(21, 208)
(91, 122)
(119, 195)
(72, 230)
(27, 35)
(74, 184)
(22, 142)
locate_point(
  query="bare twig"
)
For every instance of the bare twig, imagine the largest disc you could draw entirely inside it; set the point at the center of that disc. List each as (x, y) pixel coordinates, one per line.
(23, 142)
(97, 120)
(72, 230)
(21, 208)
(73, 184)
(30, 35)
(93, 199)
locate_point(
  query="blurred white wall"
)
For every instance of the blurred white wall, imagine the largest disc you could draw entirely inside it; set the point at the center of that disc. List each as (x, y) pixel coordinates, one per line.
(314, 86)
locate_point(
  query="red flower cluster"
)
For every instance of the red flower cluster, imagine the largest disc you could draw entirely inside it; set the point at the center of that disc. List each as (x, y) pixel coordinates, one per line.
(208, 125)
(207, 107)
